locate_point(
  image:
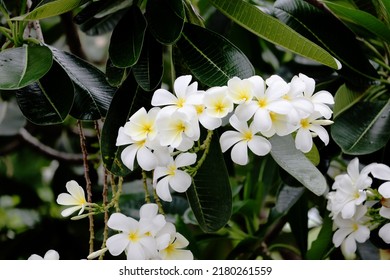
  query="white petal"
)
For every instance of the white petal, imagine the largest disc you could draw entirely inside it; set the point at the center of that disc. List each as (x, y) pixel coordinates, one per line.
(181, 84)
(323, 96)
(309, 84)
(149, 245)
(237, 124)
(259, 145)
(362, 234)
(349, 245)
(245, 111)
(163, 97)
(148, 211)
(180, 241)
(135, 252)
(321, 132)
(163, 241)
(146, 159)
(384, 189)
(280, 106)
(35, 257)
(384, 233)
(52, 255)
(303, 140)
(120, 222)
(123, 138)
(66, 199)
(75, 190)
(162, 189)
(128, 156)
(181, 181)
(159, 172)
(68, 211)
(209, 122)
(340, 235)
(185, 159)
(262, 120)
(228, 139)
(384, 212)
(381, 171)
(240, 153)
(179, 255)
(353, 168)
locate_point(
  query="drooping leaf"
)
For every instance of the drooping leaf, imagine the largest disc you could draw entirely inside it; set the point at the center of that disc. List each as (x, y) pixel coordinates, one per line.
(363, 128)
(93, 93)
(343, 45)
(127, 100)
(165, 19)
(269, 28)
(361, 18)
(11, 118)
(22, 66)
(49, 100)
(115, 75)
(345, 98)
(148, 71)
(210, 195)
(297, 164)
(212, 59)
(99, 26)
(50, 9)
(323, 243)
(127, 38)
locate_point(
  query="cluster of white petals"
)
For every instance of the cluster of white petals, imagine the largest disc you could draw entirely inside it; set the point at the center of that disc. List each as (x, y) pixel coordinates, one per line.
(150, 237)
(350, 200)
(75, 198)
(51, 255)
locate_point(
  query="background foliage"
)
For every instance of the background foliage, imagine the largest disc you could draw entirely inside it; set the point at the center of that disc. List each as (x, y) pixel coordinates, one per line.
(89, 65)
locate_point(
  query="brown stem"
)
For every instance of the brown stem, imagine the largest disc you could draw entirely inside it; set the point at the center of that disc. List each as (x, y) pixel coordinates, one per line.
(72, 35)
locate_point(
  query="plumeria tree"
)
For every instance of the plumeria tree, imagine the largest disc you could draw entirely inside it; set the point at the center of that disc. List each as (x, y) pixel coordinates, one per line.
(194, 129)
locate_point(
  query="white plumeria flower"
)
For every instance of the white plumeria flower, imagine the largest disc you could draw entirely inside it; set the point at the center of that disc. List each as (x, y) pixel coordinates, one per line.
(171, 244)
(149, 216)
(134, 238)
(178, 130)
(350, 190)
(265, 101)
(141, 125)
(351, 230)
(51, 255)
(384, 233)
(384, 190)
(309, 127)
(281, 125)
(136, 149)
(207, 121)
(75, 196)
(218, 103)
(172, 177)
(319, 99)
(245, 137)
(240, 91)
(185, 98)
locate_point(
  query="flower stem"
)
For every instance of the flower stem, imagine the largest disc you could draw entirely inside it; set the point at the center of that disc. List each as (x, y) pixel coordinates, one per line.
(145, 185)
(158, 202)
(205, 147)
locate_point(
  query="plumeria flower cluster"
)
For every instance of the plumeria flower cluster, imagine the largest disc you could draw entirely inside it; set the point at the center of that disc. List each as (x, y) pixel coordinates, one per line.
(357, 208)
(165, 138)
(151, 237)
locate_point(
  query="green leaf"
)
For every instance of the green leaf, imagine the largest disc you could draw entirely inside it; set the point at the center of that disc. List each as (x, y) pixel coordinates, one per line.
(323, 243)
(297, 164)
(149, 69)
(212, 59)
(360, 18)
(345, 98)
(363, 128)
(210, 195)
(45, 102)
(297, 218)
(11, 118)
(22, 66)
(115, 75)
(127, 38)
(342, 44)
(50, 9)
(127, 100)
(93, 94)
(165, 20)
(269, 28)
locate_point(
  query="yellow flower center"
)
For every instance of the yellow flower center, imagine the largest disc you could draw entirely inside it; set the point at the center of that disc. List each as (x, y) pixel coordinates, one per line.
(172, 170)
(355, 227)
(219, 107)
(247, 135)
(170, 249)
(180, 102)
(180, 127)
(262, 102)
(244, 94)
(133, 236)
(305, 123)
(147, 127)
(199, 109)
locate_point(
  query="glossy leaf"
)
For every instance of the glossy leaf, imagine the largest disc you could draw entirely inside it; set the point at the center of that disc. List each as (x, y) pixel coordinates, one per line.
(212, 59)
(165, 19)
(345, 98)
(93, 93)
(99, 26)
(45, 102)
(363, 128)
(11, 118)
(297, 218)
(149, 69)
(323, 244)
(297, 164)
(305, 18)
(210, 195)
(50, 9)
(127, 38)
(127, 100)
(115, 75)
(360, 18)
(269, 28)
(22, 66)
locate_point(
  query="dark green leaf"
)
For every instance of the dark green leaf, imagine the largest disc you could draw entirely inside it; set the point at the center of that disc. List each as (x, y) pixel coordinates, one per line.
(212, 59)
(323, 243)
(50, 9)
(22, 66)
(165, 19)
(127, 38)
(127, 100)
(210, 195)
(297, 218)
(305, 19)
(45, 102)
(93, 94)
(269, 28)
(149, 69)
(297, 164)
(345, 98)
(11, 118)
(99, 26)
(115, 75)
(363, 128)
